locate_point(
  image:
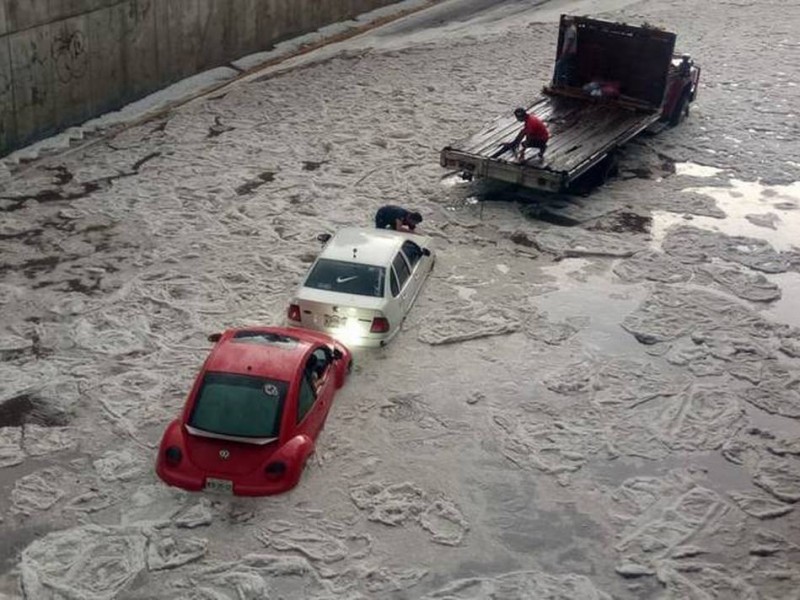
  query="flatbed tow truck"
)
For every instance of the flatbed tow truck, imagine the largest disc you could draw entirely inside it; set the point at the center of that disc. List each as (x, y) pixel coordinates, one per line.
(611, 82)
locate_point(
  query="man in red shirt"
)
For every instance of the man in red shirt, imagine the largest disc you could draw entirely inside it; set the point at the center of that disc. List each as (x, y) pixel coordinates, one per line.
(534, 134)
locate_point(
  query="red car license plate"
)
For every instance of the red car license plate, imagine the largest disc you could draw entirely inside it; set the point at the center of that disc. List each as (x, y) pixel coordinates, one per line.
(222, 486)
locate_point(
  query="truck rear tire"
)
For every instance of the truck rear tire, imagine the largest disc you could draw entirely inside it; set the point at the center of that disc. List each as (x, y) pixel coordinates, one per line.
(681, 110)
(609, 167)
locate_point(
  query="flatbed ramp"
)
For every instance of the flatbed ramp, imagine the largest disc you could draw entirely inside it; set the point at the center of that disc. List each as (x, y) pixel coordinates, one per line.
(582, 132)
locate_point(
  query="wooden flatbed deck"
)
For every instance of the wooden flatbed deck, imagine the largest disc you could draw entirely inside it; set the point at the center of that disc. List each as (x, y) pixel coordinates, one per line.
(582, 132)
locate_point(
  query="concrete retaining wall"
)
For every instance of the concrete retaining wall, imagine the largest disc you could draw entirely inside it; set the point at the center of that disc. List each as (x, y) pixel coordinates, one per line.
(65, 61)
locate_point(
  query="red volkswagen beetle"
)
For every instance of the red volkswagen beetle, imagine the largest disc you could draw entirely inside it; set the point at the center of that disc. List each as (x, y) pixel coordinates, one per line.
(255, 411)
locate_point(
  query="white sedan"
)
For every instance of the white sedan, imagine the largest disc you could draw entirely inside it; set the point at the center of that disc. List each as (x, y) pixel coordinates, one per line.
(362, 285)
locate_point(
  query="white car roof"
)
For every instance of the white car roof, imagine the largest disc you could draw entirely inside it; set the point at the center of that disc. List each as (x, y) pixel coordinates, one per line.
(372, 246)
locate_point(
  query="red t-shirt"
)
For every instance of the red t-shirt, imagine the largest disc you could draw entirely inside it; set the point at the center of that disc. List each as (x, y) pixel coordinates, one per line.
(535, 129)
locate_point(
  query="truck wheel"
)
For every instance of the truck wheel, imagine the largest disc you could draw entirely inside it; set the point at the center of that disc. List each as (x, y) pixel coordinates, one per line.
(681, 110)
(609, 168)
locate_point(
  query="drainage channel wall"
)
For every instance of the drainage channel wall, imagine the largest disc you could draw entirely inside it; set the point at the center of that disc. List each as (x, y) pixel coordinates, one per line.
(65, 61)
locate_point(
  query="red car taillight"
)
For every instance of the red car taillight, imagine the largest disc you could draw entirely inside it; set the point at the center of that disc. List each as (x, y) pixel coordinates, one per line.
(379, 325)
(294, 312)
(275, 470)
(173, 456)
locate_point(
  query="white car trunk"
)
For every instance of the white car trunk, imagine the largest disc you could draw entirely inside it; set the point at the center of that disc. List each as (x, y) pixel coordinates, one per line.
(338, 313)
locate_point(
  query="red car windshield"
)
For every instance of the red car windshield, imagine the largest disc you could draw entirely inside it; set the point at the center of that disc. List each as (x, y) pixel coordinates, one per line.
(239, 406)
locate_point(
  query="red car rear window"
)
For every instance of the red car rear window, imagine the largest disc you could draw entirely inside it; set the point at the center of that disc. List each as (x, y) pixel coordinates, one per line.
(239, 405)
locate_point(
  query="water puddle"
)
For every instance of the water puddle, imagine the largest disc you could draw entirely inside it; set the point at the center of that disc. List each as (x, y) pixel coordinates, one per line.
(722, 474)
(771, 213)
(785, 310)
(776, 424)
(577, 281)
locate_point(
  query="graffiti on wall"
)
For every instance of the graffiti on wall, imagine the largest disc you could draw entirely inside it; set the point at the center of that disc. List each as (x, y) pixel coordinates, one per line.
(70, 55)
(38, 60)
(136, 18)
(30, 76)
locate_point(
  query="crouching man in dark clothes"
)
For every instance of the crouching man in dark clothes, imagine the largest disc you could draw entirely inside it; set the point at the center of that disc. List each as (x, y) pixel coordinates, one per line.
(397, 218)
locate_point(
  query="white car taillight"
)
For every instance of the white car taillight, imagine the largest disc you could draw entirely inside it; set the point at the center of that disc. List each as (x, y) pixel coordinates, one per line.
(379, 325)
(294, 312)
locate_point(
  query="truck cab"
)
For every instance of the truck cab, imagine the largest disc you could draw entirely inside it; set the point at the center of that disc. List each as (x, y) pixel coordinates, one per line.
(682, 82)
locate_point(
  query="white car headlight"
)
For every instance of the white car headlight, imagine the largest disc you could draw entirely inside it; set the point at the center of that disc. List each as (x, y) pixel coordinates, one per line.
(350, 333)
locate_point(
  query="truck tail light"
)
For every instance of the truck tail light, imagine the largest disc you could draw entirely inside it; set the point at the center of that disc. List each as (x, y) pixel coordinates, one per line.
(379, 325)
(294, 312)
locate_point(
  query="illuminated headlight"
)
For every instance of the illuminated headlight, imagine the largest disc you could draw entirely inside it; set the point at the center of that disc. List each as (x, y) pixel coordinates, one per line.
(349, 333)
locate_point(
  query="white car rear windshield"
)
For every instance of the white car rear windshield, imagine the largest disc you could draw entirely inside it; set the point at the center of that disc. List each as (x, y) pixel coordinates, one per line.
(347, 278)
(239, 405)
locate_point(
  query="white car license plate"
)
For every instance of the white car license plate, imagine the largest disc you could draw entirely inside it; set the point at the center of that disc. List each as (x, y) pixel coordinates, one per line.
(222, 486)
(333, 321)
